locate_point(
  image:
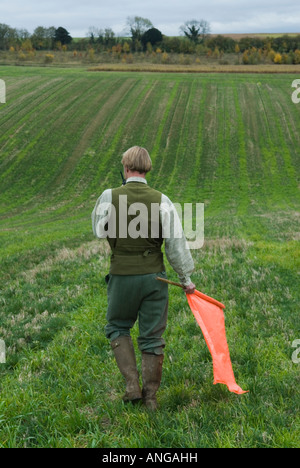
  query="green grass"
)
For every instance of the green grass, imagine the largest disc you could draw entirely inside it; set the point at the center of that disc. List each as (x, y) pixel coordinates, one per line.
(231, 142)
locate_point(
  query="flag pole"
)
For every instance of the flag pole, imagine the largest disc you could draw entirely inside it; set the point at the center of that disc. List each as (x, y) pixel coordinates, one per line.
(170, 282)
(198, 293)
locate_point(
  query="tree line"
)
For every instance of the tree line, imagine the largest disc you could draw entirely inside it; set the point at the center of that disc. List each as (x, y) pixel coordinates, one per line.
(141, 35)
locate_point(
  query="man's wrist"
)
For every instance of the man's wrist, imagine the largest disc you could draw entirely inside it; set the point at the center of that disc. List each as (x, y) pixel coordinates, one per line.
(185, 281)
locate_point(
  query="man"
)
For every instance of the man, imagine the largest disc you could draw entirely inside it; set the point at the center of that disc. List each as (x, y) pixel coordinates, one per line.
(136, 261)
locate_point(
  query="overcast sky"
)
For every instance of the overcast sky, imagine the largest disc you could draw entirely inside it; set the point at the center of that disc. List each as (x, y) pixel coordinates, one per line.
(224, 16)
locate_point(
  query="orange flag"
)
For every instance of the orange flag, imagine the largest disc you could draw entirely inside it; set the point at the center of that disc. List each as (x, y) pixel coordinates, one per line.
(209, 315)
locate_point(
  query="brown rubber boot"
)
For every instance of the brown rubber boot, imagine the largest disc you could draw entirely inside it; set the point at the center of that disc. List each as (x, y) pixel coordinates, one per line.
(152, 373)
(125, 356)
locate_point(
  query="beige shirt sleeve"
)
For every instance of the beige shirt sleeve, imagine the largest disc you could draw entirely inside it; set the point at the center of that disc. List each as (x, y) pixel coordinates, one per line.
(101, 214)
(176, 246)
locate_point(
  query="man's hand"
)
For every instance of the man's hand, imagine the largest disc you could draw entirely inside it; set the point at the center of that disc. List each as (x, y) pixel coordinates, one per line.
(190, 289)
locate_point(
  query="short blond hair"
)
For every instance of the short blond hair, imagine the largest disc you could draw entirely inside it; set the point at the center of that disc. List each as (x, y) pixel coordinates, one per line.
(137, 159)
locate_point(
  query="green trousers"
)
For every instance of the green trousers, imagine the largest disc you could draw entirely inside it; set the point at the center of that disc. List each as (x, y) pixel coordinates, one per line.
(142, 298)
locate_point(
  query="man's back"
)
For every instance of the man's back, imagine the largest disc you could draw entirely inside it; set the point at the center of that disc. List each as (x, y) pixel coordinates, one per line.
(136, 246)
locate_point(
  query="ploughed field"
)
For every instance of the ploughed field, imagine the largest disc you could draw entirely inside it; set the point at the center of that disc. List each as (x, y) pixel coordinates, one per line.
(229, 141)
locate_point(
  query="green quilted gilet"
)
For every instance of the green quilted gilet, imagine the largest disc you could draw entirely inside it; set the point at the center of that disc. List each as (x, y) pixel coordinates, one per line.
(136, 247)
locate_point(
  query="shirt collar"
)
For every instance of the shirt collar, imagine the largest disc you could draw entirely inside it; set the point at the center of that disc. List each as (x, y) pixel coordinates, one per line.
(136, 179)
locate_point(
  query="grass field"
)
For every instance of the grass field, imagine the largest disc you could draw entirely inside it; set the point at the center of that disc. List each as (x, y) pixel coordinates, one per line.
(229, 141)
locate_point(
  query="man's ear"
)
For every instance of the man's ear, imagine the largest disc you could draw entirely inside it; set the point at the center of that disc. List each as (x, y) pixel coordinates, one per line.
(126, 171)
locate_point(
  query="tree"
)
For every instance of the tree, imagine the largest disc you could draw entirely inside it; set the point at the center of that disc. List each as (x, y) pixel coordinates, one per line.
(138, 26)
(153, 36)
(38, 38)
(62, 36)
(50, 37)
(104, 37)
(109, 37)
(8, 36)
(195, 30)
(43, 38)
(222, 43)
(23, 34)
(92, 34)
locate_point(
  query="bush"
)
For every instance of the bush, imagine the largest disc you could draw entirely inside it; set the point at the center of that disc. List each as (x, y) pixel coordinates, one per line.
(246, 59)
(278, 58)
(49, 58)
(271, 55)
(297, 56)
(21, 56)
(165, 58)
(91, 55)
(252, 57)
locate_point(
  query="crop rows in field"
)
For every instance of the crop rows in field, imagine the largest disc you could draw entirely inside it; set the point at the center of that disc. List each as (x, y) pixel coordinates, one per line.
(229, 141)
